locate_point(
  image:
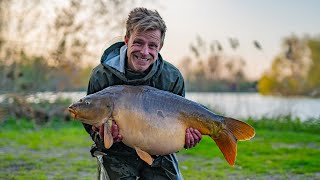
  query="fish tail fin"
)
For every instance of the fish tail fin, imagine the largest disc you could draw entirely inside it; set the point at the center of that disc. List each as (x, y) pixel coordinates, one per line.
(227, 138)
(241, 130)
(227, 144)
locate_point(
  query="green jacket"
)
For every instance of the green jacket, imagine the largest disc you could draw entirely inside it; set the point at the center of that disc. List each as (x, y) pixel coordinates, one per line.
(113, 71)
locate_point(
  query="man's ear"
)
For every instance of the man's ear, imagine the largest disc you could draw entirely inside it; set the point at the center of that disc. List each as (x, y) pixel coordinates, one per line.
(126, 39)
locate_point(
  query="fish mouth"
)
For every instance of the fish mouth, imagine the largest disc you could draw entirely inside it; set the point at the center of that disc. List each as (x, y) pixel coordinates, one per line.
(72, 112)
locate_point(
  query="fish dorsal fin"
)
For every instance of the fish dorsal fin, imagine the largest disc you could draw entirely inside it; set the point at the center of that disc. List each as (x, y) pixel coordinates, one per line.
(144, 156)
(107, 137)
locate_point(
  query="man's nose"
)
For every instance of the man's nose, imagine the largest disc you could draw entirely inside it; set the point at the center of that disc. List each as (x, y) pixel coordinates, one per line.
(145, 50)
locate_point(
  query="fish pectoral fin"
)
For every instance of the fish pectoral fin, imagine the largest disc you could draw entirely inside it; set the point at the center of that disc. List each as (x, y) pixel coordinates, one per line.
(107, 137)
(144, 156)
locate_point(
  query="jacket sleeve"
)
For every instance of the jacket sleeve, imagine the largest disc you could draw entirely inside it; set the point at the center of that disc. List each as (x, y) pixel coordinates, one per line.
(179, 87)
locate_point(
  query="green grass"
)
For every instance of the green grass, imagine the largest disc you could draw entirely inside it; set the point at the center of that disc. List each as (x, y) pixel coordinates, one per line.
(268, 154)
(281, 149)
(58, 151)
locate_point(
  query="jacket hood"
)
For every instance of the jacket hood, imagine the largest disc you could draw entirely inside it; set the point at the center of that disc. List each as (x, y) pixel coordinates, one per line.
(114, 59)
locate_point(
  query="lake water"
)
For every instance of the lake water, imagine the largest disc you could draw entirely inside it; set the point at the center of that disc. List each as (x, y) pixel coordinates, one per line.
(244, 105)
(236, 105)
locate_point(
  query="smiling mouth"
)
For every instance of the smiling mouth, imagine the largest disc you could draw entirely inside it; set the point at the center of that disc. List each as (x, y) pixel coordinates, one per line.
(141, 59)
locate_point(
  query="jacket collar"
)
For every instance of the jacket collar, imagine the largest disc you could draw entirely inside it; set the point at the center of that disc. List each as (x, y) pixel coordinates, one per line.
(117, 61)
(114, 59)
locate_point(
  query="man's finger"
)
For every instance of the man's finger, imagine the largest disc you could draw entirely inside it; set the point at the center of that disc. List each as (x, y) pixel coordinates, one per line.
(114, 130)
(187, 138)
(197, 134)
(95, 129)
(191, 138)
(118, 138)
(196, 138)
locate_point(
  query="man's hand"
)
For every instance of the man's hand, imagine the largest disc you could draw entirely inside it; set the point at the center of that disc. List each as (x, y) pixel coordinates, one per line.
(114, 131)
(193, 137)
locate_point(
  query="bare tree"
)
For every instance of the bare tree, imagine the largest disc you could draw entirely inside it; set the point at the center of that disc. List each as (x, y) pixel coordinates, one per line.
(257, 45)
(234, 43)
(61, 34)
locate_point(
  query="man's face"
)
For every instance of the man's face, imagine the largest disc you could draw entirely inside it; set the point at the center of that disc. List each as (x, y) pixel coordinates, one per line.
(143, 48)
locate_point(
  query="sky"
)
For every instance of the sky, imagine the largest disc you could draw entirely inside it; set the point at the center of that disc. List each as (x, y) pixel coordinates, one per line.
(267, 21)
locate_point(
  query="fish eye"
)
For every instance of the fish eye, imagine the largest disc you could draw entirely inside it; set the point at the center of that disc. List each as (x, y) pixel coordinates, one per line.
(87, 102)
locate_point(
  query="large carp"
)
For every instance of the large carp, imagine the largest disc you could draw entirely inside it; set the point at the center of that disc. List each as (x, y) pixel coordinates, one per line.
(154, 122)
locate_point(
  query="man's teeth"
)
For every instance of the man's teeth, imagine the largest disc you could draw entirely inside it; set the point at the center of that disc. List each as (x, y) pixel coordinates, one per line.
(143, 59)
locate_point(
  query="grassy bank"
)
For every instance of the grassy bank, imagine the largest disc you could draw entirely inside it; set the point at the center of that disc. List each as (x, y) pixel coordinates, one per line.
(282, 149)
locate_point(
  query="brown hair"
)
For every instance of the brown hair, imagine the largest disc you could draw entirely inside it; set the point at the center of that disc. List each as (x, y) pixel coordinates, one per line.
(142, 19)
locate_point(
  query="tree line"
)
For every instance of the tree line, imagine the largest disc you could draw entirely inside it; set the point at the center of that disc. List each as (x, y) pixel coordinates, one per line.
(210, 68)
(296, 69)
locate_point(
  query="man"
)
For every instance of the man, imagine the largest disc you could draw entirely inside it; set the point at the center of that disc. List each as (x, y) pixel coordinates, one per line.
(136, 61)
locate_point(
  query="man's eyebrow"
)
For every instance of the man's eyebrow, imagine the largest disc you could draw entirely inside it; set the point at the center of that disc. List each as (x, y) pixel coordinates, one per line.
(138, 39)
(154, 43)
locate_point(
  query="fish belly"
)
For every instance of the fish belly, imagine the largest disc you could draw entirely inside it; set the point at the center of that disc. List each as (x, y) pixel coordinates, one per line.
(157, 136)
